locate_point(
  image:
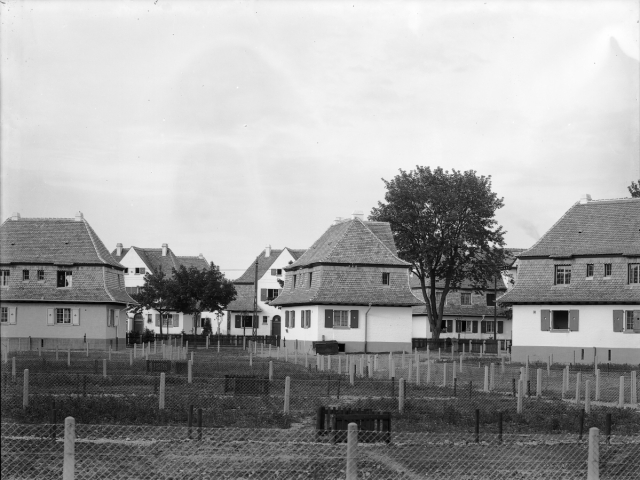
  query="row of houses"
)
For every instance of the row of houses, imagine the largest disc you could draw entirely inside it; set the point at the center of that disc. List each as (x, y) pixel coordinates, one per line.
(574, 294)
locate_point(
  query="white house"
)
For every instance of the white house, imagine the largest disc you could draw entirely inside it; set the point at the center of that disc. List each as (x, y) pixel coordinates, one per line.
(140, 261)
(577, 292)
(352, 287)
(270, 269)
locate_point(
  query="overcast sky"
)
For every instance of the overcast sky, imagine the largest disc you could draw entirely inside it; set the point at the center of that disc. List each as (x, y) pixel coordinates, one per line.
(222, 127)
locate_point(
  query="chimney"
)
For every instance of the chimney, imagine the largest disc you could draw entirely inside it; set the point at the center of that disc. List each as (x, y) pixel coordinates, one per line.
(358, 214)
(337, 220)
(267, 252)
(201, 256)
(586, 198)
(79, 217)
(118, 249)
(15, 216)
(165, 247)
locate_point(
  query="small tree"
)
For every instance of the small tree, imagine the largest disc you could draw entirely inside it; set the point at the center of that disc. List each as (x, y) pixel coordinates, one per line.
(157, 294)
(443, 224)
(205, 290)
(634, 189)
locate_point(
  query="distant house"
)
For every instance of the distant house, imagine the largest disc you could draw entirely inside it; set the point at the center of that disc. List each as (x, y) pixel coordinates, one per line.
(58, 281)
(577, 290)
(271, 264)
(140, 261)
(468, 314)
(352, 287)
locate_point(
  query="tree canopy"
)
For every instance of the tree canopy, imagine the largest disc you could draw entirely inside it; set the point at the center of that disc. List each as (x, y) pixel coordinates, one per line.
(157, 293)
(634, 189)
(443, 224)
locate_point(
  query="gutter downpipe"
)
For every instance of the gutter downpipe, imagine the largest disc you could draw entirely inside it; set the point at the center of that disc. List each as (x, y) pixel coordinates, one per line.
(365, 328)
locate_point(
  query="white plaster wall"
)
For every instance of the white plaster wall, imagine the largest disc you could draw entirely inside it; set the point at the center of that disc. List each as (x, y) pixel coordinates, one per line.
(595, 328)
(132, 261)
(420, 328)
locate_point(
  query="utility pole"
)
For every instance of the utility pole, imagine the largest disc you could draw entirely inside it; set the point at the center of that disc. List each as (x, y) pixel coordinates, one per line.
(254, 319)
(495, 307)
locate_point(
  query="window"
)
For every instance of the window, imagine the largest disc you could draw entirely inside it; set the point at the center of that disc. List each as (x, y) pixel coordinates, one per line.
(65, 278)
(489, 327)
(491, 299)
(589, 270)
(247, 321)
(5, 278)
(265, 319)
(306, 318)
(632, 321)
(149, 318)
(294, 281)
(126, 270)
(563, 274)
(140, 271)
(40, 275)
(310, 278)
(560, 320)
(25, 275)
(607, 269)
(341, 318)
(385, 278)
(111, 318)
(4, 315)
(292, 319)
(634, 273)
(276, 271)
(272, 293)
(465, 299)
(467, 326)
(63, 315)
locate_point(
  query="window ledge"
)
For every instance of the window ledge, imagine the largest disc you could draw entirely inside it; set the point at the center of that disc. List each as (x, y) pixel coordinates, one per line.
(341, 328)
(559, 330)
(631, 331)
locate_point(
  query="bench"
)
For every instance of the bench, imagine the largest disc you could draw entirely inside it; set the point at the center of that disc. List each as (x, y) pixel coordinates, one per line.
(373, 426)
(246, 385)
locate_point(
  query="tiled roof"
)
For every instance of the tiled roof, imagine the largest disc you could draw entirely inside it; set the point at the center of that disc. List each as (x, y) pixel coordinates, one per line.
(154, 260)
(52, 240)
(245, 295)
(463, 311)
(353, 242)
(264, 264)
(465, 285)
(335, 285)
(198, 262)
(597, 227)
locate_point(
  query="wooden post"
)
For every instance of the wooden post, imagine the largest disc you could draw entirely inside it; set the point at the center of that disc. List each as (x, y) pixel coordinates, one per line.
(56, 351)
(352, 375)
(403, 360)
(539, 383)
(444, 374)
(190, 371)
(352, 452)
(131, 358)
(287, 393)
(461, 363)
(306, 359)
(578, 387)
(486, 378)
(250, 358)
(135, 351)
(597, 396)
(219, 344)
(393, 368)
(502, 367)
(477, 425)
(634, 388)
(104, 368)
(401, 396)
(87, 349)
(362, 366)
(526, 370)
(418, 370)
(564, 381)
(13, 368)
(520, 394)
(25, 389)
(69, 458)
(621, 393)
(492, 376)
(162, 391)
(69, 357)
(428, 372)
(587, 396)
(439, 353)
(593, 462)
(271, 370)
(482, 348)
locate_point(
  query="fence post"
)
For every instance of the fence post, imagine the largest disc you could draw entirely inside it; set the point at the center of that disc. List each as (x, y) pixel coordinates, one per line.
(634, 388)
(461, 362)
(401, 396)
(549, 366)
(25, 389)
(501, 368)
(69, 357)
(477, 425)
(587, 396)
(539, 383)
(417, 370)
(135, 351)
(69, 459)
(597, 396)
(352, 452)
(352, 374)
(131, 357)
(190, 371)
(520, 394)
(56, 351)
(578, 387)
(593, 465)
(428, 372)
(439, 353)
(200, 420)
(161, 395)
(87, 349)
(486, 378)
(250, 358)
(109, 352)
(13, 368)
(306, 359)
(526, 370)
(287, 393)
(104, 368)
(492, 376)
(444, 374)
(270, 370)
(621, 393)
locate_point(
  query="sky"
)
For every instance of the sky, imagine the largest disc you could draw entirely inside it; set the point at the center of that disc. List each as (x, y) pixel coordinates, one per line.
(223, 127)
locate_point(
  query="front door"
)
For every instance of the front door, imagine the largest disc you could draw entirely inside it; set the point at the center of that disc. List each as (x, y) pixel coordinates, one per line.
(275, 326)
(138, 323)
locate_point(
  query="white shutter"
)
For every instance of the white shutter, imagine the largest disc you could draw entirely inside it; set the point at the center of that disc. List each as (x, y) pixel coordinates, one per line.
(75, 316)
(13, 315)
(51, 320)
(117, 320)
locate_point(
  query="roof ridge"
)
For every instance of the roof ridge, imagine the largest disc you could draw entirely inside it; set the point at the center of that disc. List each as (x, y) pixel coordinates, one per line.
(344, 233)
(94, 244)
(380, 241)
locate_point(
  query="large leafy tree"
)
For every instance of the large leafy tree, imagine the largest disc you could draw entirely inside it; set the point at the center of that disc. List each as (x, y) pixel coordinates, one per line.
(201, 290)
(634, 189)
(157, 293)
(443, 224)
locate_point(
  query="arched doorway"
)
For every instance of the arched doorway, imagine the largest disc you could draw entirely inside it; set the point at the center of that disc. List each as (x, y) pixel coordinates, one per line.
(138, 323)
(276, 326)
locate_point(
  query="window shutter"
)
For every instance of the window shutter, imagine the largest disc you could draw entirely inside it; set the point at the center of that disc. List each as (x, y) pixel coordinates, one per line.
(238, 322)
(286, 319)
(175, 317)
(117, 320)
(618, 316)
(108, 317)
(574, 320)
(475, 326)
(50, 318)
(255, 321)
(458, 326)
(293, 319)
(263, 294)
(328, 319)
(354, 318)
(449, 326)
(483, 327)
(545, 320)
(500, 327)
(308, 318)
(13, 315)
(157, 319)
(75, 318)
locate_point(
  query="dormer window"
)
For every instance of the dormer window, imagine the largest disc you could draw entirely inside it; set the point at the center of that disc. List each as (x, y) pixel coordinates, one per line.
(5, 278)
(295, 278)
(40, 275)
(589, 270)
(634, 273)
(607, 269)
(25, 275)
(386, 278)
(65, 278)
(310, 278)
(563, 275)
